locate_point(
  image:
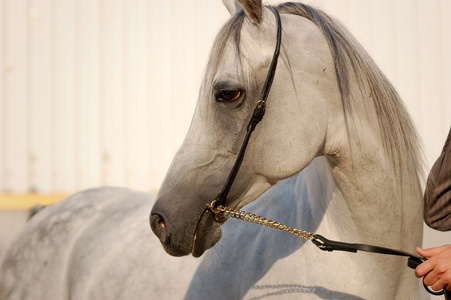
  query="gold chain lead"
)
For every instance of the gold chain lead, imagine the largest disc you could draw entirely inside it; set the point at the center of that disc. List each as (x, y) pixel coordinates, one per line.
(220, 210)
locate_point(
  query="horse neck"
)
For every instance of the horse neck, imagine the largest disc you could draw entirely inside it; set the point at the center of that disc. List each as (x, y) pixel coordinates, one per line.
(370, 194)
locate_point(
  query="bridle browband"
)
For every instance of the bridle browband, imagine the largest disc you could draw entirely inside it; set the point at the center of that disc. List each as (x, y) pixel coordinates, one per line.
(257, 116)
(218, 206)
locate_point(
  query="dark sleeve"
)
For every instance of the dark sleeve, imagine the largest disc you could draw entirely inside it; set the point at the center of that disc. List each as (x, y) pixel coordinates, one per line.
(437, 197)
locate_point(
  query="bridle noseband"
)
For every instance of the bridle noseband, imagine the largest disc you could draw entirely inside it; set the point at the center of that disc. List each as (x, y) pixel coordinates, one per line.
(257, 116)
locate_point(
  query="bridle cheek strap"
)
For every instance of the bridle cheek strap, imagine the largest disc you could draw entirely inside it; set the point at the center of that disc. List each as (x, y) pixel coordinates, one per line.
(257, 116)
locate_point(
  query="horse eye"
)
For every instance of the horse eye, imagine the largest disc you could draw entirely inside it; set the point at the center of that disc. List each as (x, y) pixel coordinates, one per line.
(228, 95)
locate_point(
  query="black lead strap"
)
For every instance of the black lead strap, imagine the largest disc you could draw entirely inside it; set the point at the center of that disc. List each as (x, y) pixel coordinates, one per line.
(257, 116)
(329, 245)
(412, 262)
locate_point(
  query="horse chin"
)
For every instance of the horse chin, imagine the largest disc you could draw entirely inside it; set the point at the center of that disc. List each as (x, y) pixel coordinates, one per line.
(208, 233)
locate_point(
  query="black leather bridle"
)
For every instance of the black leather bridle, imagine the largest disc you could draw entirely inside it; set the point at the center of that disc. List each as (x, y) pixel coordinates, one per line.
(257, 116)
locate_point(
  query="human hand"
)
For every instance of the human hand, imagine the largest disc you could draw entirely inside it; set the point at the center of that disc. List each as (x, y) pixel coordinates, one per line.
(437, 269)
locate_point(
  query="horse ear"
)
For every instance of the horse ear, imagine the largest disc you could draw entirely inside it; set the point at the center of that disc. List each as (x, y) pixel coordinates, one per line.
(232, 6)
(253, 10)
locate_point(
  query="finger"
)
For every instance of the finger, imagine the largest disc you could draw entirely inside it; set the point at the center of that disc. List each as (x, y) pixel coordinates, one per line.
(424, 268)
(420, 251)
(438, 285)
(430, 251)
(430, 279)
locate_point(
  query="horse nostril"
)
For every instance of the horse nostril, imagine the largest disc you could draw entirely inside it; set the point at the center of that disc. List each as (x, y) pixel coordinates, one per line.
(157, 224)
(161, 222)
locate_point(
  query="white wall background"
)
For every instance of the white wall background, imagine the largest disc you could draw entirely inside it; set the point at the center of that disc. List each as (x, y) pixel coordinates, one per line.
(98, 92)
(101, 92)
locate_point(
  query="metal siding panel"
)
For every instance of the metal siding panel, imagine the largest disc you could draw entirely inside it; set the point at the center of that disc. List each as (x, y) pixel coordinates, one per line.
(161, 124)
(87, 110)
(137, 91)
(15, 137)
(133, 97)
(40, 96)
(153, 143)
(185, 94)
(359, 21)
(407, 56)
(339, 9)
(63, 123)
(112, 92)
(3, 18)
(383, 45)
(429, 70)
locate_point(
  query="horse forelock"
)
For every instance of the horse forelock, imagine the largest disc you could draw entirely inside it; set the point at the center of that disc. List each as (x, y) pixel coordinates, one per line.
(229, 33)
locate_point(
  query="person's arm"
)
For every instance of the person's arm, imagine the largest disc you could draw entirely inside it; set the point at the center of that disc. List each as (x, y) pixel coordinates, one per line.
(437, 197)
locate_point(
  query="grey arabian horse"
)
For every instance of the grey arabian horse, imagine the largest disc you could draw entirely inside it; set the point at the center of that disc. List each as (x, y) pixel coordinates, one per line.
(335, 154)
(329, 104)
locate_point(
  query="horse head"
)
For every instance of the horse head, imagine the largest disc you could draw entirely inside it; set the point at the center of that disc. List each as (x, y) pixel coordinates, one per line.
(299, 111)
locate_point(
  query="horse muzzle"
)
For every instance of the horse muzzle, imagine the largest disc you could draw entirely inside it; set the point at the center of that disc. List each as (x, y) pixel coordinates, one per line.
(180, 238)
